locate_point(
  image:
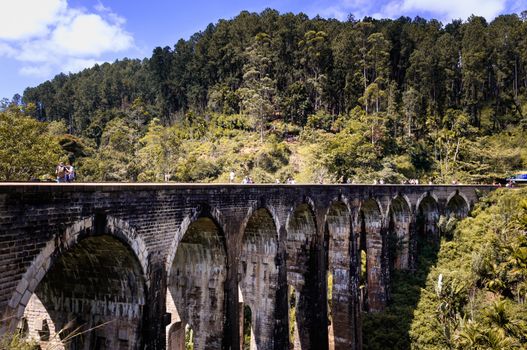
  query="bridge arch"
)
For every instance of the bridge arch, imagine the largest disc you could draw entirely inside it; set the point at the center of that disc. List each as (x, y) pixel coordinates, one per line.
(457, 205)
(197, 211)
(340, 250)
(428, 196)
(399, 219)
(258, 277)
(91, 277)
(371, 250)
(196, 291)
(427, 215)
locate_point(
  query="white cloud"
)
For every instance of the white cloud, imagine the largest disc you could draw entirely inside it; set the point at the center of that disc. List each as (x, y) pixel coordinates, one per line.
(444, 10)
(77, 64)
(90, 34)
(7, 50)
(64, 39)
(42, 71)
(342, 8)
(24, 19)
(448, 9)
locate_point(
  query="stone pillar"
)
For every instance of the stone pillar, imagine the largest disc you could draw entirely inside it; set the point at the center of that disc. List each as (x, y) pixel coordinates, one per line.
(281, 329)
(231, 222)
(340, 267)
(231, 338)
(375, 269)
(176, 336)
(386, 274)
(319, 325)
(412, 243)
(155, 308)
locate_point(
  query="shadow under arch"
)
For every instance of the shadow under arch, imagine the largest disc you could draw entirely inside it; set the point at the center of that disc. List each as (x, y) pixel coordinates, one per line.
(399, 229)
(258, 277)
(196, 284)
(341, 253)
(372, 248)
(302, 279)
(427, 215)
(457, 206)
(94, 225)
(90, 289)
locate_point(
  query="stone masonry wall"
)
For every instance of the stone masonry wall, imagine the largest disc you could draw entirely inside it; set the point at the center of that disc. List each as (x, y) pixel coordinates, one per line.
(41, 223)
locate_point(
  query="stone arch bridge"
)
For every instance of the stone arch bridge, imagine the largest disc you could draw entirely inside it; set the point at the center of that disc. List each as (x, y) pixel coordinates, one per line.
(142, 266)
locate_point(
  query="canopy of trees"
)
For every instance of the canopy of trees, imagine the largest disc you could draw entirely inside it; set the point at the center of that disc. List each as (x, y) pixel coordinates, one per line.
(353, 100)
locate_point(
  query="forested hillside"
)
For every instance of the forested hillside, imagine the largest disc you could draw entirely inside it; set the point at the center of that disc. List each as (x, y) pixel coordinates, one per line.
(469, 291)
(281, 95)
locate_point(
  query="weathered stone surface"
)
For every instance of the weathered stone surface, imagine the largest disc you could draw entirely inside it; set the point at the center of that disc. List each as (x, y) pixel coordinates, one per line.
(147, 261)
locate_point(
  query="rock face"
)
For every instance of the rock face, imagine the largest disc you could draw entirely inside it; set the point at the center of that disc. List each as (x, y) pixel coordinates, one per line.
(135, 266)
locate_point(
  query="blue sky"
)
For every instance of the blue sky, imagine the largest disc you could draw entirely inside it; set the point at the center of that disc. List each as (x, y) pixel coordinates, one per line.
(41, 38)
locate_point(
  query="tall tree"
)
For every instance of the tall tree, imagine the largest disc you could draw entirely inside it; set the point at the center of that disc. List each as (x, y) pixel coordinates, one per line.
(474, 60)
(259, 89)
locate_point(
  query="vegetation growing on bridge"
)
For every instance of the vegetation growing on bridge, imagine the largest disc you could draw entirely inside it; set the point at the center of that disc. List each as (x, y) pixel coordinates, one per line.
(469, 293)
(274, 96)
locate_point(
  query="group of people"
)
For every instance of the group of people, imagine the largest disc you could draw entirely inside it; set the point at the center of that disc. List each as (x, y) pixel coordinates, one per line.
(411, 182)
(247, 180)
(65, 173)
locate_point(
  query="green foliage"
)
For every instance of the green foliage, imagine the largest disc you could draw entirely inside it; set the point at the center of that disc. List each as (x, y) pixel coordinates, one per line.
(27, 151)
(195, 169)
(272, 157)
(189, 338)
(158, 152)
(292, 314)
(320, 120)
(247, 327)
(114, 160)
(446, 226)
(354, 100)
(16, 341)
(486, 254)
(351, 154)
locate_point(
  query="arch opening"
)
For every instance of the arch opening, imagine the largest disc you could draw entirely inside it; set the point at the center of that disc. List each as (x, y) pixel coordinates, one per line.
(371, 250)
(92, 297)
(196, 294)
(399, 234)
(301, 276)
(248, 339)
(339, 254)
(293, 328)
(426, 221)
(189, 338)
(258, 278)
(457, 207)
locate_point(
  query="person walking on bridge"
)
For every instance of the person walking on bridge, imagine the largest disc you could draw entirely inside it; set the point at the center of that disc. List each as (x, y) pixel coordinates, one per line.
(60, 172)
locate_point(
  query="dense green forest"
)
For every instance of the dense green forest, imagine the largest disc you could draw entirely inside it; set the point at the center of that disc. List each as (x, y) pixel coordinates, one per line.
(281, 95)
